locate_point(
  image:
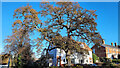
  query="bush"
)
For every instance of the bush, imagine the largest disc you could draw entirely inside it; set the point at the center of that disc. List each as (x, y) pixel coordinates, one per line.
(54, 67)
(104, 59)
(95, 58)
(116, 60)
(79, 66)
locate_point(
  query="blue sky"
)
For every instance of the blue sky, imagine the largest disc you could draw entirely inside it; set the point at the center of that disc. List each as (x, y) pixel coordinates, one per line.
(107, 19)
(60, 0)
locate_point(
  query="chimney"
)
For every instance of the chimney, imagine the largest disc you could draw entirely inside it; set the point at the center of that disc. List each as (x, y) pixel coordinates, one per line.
(70, 37)
(103, 42)
(118, 46)
(115, 44)
(112, 43)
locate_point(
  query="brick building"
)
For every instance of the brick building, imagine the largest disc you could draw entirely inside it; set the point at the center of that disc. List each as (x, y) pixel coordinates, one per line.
(108, 51)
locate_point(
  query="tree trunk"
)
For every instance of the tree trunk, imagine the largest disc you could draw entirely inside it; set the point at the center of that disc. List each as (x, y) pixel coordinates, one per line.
(68, 58)
(68, 51)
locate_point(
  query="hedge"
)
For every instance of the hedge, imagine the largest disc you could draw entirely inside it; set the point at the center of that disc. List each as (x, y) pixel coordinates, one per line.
(78, 66)
(104, 59)
(116, 60)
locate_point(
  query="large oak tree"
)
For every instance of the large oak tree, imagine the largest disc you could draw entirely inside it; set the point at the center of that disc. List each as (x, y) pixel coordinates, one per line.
(78, 25)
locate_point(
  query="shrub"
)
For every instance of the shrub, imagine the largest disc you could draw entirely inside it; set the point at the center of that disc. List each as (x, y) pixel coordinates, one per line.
(95, 58)
(76, 66)
(114, 60)
(102, 59)
(118, 60)
(79, 66)
(107, 59)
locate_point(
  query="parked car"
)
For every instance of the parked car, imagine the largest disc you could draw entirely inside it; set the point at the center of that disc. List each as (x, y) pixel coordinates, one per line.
(93, 64)
(3, 66)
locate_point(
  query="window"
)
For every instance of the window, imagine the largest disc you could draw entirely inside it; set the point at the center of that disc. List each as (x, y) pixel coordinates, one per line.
(82, 61)
(115, 50)
(90, 61)
(58, 60)
(93, 50)
(108, 50)
(63, 60)
(72, 61)
(79, 61)
(112, 57)
(88, 53)
(86, 60)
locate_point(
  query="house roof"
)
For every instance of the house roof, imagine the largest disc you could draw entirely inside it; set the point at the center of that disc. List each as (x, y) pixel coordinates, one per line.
(87, 47)
(105, 45)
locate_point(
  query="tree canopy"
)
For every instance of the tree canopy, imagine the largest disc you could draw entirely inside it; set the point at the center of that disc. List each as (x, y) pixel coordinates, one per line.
(71, 18)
